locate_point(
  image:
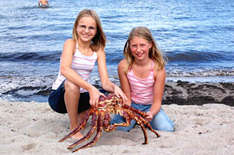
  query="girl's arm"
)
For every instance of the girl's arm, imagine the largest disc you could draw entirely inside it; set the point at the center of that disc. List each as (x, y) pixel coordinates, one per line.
(106, 83)
(71, 75)
(159, 84)
(122, 71)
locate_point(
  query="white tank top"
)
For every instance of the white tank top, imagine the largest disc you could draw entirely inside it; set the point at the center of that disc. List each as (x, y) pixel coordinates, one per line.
(83, 65)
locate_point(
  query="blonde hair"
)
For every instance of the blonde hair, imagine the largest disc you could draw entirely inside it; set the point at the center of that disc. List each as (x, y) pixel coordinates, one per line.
(99, 40)
(154, 53)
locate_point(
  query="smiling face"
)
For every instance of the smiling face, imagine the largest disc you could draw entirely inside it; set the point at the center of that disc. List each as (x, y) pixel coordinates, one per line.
(86, 29)
(140, 48)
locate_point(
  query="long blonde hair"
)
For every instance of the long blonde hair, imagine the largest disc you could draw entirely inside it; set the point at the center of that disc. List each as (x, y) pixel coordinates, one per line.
(154, 53)
(99, 40)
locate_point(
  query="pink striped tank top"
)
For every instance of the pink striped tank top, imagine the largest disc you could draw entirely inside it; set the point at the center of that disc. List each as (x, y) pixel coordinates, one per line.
(141, 89)
(82, 64)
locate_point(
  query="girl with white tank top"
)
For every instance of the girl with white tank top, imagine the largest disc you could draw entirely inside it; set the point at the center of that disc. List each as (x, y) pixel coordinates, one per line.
(82, 64)
(71, 92)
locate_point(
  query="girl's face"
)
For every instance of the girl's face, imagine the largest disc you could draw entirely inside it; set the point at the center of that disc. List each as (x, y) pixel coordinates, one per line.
(86, 29)
(140, 48)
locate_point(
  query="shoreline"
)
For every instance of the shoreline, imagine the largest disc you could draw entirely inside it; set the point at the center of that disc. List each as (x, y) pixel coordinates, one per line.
(33, 128)
(179, 92)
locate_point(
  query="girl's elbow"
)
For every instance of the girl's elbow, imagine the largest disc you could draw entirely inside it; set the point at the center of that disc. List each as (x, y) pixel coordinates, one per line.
(63, 70)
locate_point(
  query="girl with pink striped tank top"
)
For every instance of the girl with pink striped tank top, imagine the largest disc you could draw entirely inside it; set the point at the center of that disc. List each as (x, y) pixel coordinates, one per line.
(71, 92)
(142, 77)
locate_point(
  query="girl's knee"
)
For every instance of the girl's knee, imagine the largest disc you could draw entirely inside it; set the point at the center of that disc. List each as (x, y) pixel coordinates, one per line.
(166, 127)
(163, 126)
(162, 122)
(71, 87)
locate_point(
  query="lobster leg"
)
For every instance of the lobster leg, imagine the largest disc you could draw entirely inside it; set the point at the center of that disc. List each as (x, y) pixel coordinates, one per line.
(106, 120)
(152, 130)
(124, 124)
(143, 114)
(144, 131)
(148, 125)
(88, 135)
(81, 126)
(139, 121)
(97, 136)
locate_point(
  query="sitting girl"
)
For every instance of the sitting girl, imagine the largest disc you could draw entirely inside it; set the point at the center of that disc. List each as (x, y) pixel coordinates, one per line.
(142, 77)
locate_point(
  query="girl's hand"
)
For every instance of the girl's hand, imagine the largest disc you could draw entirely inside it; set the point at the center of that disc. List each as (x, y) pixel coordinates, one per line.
(149, 115)
(94, 94)
(118, 92)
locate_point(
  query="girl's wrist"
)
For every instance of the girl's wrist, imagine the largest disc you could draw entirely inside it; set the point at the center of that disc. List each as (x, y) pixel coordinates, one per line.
(90, 87)
(150, 113)
(114, 87)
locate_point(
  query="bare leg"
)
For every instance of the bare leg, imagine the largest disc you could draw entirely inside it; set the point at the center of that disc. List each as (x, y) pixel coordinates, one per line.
(81, 116)
(71, 96)
(99, 128)
(81, 126)
(89, 134)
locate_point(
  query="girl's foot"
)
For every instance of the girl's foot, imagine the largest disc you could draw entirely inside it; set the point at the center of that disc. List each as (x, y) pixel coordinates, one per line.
(77, 136)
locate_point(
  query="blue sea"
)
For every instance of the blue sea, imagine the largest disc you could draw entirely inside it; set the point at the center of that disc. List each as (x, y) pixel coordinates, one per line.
(197, 37)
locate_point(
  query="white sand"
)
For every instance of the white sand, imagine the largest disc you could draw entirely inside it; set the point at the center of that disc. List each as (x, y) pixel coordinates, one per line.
(33, 128)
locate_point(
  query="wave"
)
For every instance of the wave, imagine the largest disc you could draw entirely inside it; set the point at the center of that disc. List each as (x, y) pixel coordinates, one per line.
(115, 57)
(198, 56)
(29, 91)
(209, 73)
(42, 56)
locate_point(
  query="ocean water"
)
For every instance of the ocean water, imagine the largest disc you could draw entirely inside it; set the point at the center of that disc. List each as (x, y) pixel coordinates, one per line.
(197, 37)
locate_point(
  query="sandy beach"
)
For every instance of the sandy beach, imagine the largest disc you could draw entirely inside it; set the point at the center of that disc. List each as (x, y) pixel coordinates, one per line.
(33, 128)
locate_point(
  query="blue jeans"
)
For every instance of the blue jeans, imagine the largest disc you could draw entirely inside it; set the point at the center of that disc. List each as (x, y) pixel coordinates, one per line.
(57, 103)
(160, 121)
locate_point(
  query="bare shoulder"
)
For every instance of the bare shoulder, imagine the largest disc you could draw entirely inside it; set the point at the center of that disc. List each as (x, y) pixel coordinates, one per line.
(100, 51)
(101, 55)
(69, 46)
(123, 63)
(69, 42)
(159, 73)
(123, 66)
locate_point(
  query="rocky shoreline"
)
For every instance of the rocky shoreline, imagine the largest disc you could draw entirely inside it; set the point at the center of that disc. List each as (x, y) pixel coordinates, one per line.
(179, 92)
(186, 93)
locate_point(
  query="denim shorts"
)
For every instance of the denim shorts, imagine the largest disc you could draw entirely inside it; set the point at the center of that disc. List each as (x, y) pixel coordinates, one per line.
(57, 103)
(160, 121)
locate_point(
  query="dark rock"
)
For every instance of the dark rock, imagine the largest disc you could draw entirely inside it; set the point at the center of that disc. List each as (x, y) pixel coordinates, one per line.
(229, 100)
(186, 93)
(199, 100)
